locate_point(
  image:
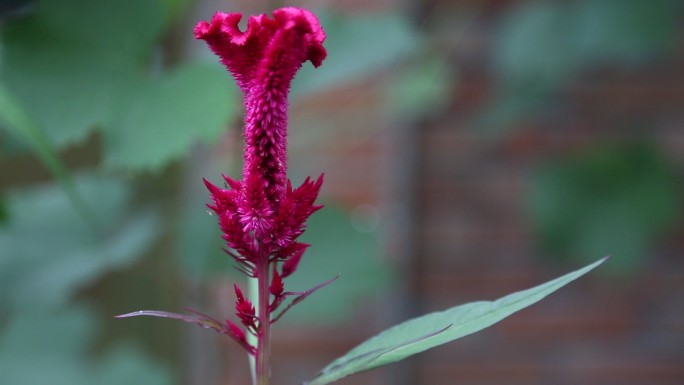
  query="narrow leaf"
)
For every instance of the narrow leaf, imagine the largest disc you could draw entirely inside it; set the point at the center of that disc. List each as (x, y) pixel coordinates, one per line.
(200, 319)
(302, 296)
(404, 340)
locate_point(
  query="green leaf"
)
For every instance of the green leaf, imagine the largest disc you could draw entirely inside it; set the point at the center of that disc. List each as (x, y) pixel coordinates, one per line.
(628, 31)
(31, 353)
(62, 352)
(426, 332)
(547, 42)
(338, 247)
(543, 46)
(70, 61)
(421, 88)
(619, 199)
(14, 119)
(536, 46)
(127, 364)
(3, 211)
(48, 252)
(357, 47)
(164, 117)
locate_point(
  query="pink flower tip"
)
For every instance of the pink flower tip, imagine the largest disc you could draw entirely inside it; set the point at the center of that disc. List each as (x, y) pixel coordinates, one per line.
(293, 35)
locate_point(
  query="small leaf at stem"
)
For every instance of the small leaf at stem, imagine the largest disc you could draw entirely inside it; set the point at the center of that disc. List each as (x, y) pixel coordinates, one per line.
(277, 287)
(244, 309)
(303, 296)
(203, 320)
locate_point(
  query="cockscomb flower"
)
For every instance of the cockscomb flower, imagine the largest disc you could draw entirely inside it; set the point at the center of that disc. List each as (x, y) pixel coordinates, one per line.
(263, 60)
(262, 215)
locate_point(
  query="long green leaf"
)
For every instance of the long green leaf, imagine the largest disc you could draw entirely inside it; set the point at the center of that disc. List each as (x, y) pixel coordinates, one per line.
(426, 332)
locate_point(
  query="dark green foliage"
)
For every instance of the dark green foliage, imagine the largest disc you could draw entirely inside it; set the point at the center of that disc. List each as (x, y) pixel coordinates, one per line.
(543, 46)
(616, 200)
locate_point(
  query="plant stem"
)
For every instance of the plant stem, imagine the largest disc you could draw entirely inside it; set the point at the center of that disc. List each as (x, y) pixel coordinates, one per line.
(263, 358)
(253, 285)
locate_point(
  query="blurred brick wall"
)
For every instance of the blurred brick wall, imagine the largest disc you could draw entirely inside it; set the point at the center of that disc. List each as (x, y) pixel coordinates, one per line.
(473, 241)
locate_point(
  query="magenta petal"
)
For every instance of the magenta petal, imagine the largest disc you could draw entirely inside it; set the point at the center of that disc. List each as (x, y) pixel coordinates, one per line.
(293, 35)
(290, 265)
(234, 184)
(276, 287)
(240, 337)
(244, 309)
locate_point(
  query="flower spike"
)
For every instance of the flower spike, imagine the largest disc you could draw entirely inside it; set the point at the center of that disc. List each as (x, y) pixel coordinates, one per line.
(261, 215)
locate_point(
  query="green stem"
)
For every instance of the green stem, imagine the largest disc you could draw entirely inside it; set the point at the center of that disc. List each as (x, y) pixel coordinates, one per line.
(253, 287)
(263, 357)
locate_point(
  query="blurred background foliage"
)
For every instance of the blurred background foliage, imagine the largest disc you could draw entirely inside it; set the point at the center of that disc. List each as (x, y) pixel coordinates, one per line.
(110, 100)
(543, 47)
(611, 199)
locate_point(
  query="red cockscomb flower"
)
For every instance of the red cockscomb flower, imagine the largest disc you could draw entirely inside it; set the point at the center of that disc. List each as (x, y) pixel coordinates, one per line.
(262, 215)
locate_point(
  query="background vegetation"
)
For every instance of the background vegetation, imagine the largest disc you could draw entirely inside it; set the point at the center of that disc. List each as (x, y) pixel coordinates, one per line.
(110, 115)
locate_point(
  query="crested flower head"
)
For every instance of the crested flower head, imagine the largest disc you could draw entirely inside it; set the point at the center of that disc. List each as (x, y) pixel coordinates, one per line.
(263, 60)
(261, 215)
(268, 48)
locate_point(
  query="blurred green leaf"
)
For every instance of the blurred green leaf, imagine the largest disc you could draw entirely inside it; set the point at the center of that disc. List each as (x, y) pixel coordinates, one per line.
(13, 118)
(627, 30)
(69, 61)
(542, 46)
(10, 144)
(25, 334)
(337, 248)
(423, 87)
(48, 252)
(163, 117)
(199, 239)
(534, 54)
(43, 347)
(614, 200)
(125, 364)
(31, 353)
(431, 330)
(508, 107)
(535, 44)
(3, 211)
(357, 47)
(547, 42)
(176, 9)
